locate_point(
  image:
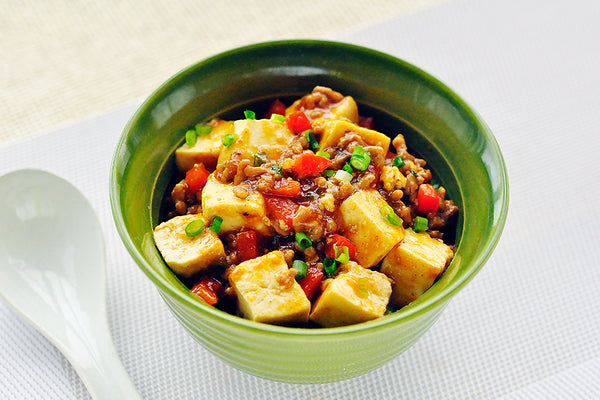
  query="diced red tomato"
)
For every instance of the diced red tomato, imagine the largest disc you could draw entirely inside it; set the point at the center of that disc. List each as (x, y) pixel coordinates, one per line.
(196, 177)
(335, 240)
(298, 122)
(282, 208)
(247, 245)
(285, 187)
(427, 199)
(312, 282)
(310, 164)
(208, 289)
(276, 107)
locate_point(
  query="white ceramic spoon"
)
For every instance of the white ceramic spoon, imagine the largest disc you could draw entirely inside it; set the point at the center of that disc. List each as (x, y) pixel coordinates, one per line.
(52, 272)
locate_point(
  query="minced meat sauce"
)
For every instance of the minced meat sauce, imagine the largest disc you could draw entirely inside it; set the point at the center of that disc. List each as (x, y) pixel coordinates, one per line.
(285, 190)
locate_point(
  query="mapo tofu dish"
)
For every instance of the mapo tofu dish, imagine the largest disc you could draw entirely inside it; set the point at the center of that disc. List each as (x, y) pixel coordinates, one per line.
(306, 216)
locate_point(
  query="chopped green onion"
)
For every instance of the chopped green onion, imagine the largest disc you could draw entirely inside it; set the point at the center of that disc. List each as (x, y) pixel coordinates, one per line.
(359, 151)
(360, 163)
(191, 137)
(328, 173)
(347, 168)
(412, 171)
(203, 129)
(277, 169)
(228, 139)
(342, 176)
(309, 135)
(323, 154)
(436, 185)
(303, 240)
(215, 225)
(260, 159)
(398, 162)
(390, 215)
(421, 224)
(277, 117)
(194, 228)
(301, 267)
(329, 265)
(360, 158)
(249, 114)
(342, 255)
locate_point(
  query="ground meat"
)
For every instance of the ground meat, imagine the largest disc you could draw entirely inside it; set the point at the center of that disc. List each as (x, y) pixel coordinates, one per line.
(319, 101)
(308, 220)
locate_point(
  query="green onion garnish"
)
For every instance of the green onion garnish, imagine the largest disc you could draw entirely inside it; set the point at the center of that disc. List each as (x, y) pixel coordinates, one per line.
(215, 225)
(323, 154)
(347, 168)
(360, 158)
(342, 176)
(277, 117)
(398, 162)
(328, 173)
(390, 215)
(277, 169)
(303, 240)
(342, 255)
(249, 114)
(260, 159)
(203, 129)
(194, 228)
(228, 139)
(301, 267)
(191, 137)
(329, 265)
(310, 138)
(421, 224)
(412, 171)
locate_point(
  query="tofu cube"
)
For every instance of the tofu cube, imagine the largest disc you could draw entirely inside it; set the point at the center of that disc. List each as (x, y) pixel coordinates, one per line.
(187, 255)
(207, 147)
(355, 295)
(267, 291)
(258, 136)
(345, 109)
(362, 223)
(331, 131)
(414, 264)
(219, 200)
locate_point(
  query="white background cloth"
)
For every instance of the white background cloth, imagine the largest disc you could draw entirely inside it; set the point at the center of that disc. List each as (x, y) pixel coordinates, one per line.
(525, 328)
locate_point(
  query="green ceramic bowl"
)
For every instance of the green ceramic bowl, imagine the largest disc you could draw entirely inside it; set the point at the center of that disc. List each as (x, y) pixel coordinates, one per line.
(438, 125)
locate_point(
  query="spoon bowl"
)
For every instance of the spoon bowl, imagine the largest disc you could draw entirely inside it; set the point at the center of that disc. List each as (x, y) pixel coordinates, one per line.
(52, 272)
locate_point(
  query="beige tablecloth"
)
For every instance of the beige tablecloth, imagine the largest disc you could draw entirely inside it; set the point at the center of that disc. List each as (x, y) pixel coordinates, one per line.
(65, 60)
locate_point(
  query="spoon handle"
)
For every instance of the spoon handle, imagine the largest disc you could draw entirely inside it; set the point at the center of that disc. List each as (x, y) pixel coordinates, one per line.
(95, 359)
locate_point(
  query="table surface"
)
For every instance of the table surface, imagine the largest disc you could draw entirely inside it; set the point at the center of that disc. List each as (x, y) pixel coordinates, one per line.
(525, 328)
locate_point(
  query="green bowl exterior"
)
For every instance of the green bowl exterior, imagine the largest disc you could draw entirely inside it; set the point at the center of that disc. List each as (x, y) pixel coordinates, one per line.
(453, 138)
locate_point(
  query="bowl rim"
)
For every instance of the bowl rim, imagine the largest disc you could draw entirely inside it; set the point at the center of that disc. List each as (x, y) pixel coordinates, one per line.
(406, 313)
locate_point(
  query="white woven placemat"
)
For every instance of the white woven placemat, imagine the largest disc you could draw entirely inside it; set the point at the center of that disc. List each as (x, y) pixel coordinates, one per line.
(525, 328)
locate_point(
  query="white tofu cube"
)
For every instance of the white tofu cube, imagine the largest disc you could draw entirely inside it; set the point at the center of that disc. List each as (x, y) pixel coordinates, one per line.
(207, 147)
(219, 200)
(187, 255)
(362, 223)
(258, 136)
(267, 291)
(414, 264)
(355, 295)
(345, 109)
(331, 131)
